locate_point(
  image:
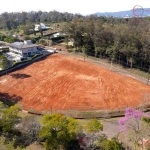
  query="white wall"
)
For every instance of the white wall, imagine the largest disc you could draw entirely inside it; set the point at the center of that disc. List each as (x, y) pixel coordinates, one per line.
(25, 51)
(29, 51)
(14, 50)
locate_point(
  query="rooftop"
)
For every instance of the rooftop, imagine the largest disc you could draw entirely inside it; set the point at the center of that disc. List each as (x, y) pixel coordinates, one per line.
(22, 45)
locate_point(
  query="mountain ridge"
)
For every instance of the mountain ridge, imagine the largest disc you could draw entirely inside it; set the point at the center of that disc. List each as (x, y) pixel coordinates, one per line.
(124, 14)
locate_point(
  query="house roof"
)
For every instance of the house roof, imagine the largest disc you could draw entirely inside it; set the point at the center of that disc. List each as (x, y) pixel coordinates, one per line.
(22, 45)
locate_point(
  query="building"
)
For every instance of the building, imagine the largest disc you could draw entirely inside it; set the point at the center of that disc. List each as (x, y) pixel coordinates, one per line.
(56, 35)
(3, 47)
(24, 49)
(42, 26)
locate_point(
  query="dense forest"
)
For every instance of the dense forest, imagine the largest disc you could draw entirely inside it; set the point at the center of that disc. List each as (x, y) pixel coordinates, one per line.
(125, 41)
(13, 20)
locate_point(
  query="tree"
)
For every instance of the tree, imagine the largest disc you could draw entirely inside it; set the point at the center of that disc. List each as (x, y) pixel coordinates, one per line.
(10, 39)
(4, 63)
(98, 28)
(42, 41)
(58, 131)
(2, 37)
(146, 119)
(29, 129)
(112, 144)
(103, 143)
(9, 119)
(76, 31)
(93, 126)
(133, 125)
(84, 51)
(100, 140)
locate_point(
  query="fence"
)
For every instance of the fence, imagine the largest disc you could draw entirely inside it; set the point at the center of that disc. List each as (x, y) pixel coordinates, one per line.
(81, 114)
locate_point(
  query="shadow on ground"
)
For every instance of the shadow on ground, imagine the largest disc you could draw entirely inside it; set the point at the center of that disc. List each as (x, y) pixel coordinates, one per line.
(20, 76)
(9, 100)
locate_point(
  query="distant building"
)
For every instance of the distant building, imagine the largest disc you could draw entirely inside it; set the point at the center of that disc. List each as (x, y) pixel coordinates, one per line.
(56, 35)
(126, 16)
(24, 49)
(3, 47)
(42, 26)
(70, 43)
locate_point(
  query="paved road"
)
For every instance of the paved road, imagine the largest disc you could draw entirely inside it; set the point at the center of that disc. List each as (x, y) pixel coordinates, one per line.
(110, 127)
(108, 66)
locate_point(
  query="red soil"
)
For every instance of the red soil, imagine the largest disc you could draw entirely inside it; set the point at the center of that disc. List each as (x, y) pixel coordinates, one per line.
(65, 83)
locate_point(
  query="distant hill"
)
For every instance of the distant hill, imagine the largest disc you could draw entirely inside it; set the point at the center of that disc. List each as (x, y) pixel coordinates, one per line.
(124, 14)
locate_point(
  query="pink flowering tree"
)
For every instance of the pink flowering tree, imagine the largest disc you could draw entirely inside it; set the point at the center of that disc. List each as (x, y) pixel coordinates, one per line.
(133, 126)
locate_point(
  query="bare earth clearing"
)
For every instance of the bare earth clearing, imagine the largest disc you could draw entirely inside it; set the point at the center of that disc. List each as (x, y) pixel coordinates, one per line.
(64, 83)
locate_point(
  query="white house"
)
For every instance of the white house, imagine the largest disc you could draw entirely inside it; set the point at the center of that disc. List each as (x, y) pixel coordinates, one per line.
(56, 34)
(24, 49)
(42, 26)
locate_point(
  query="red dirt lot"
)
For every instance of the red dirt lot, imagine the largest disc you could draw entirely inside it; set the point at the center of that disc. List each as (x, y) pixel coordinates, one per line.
(64, 83)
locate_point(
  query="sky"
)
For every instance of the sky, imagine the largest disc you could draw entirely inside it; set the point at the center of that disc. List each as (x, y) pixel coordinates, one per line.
(83, 7)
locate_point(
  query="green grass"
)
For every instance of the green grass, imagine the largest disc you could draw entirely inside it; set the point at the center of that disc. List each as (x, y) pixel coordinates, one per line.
(133, 70)
(139, 72)
(9, 146)
(106, 61)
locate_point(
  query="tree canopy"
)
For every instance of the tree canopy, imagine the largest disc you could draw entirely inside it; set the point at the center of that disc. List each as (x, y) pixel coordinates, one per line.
(9, 118)
(58, 131)
(4, 63)
(103, 143)
(93, 126)
(125, 40)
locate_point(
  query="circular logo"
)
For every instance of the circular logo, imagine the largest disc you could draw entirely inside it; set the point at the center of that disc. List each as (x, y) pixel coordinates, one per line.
(138, 11)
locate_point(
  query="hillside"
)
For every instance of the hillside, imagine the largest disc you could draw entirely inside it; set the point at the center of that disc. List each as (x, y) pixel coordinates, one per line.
(123, 14)
(64, 83)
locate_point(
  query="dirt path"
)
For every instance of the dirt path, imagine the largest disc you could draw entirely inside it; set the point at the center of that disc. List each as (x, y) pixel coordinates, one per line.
(66, 83)
(110, 127)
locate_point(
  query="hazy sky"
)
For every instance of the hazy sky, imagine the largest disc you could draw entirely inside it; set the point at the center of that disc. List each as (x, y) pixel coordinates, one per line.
(73, 6)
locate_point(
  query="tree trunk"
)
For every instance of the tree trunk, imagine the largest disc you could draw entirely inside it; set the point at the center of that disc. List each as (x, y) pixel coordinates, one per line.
(131, 65)
(142, 63)
(84, 56)
(127, 63)
(119, 59)
(100, 55)
(95, 54)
